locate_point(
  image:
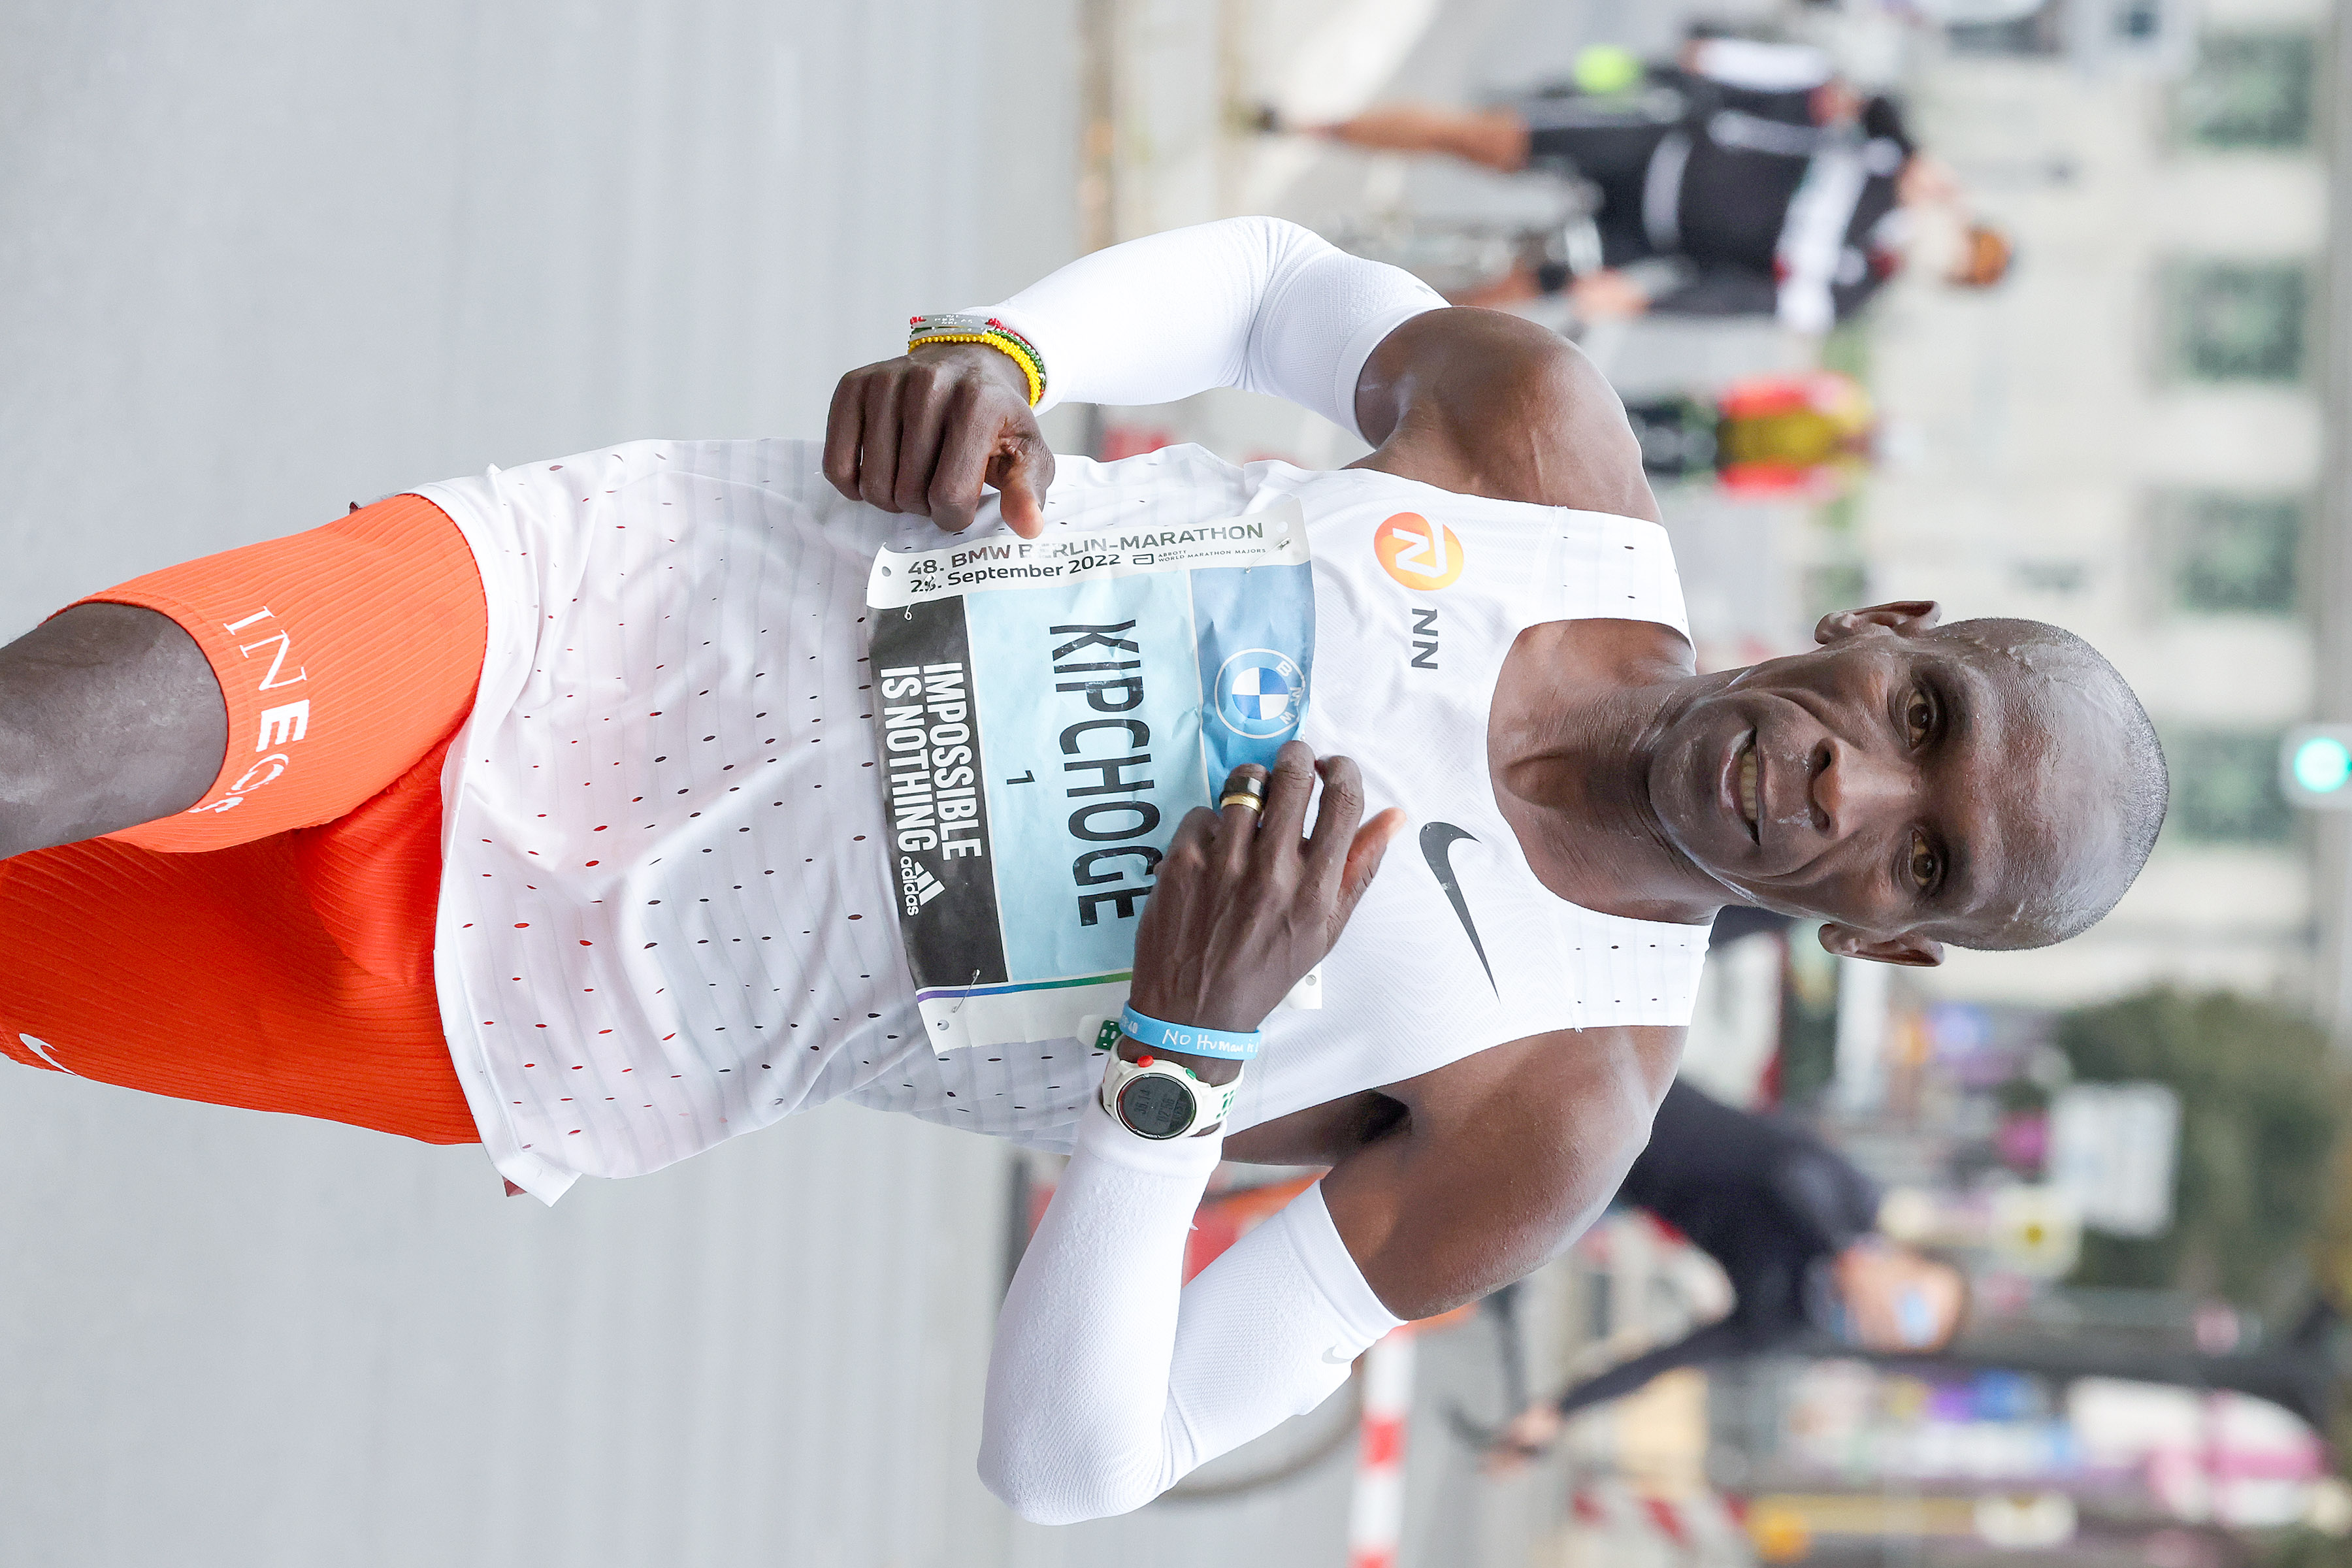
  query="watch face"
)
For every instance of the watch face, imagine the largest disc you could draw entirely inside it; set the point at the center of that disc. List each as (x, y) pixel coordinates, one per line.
(1156, 1107)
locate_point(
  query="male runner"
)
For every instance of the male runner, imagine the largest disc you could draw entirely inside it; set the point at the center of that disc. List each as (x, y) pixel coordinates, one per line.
(572, 807)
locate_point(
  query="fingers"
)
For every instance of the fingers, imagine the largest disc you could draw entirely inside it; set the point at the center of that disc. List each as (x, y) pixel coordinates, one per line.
(963, 462)
(1288, 791)
(1022, 479)
(1365, 852)
(1199, 826)
(923, 414)
(843, 425)
(1189, 849)
(1237, 825)
(924, 433)
(877, 469)
(1176, 884)
(1335, 822)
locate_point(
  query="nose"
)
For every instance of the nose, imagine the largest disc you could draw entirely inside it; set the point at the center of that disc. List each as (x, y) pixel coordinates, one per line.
(1853, 786)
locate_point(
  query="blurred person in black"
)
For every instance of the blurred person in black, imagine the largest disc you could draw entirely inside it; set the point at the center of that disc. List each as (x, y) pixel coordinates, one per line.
(1746, 179)
(1794, 1224)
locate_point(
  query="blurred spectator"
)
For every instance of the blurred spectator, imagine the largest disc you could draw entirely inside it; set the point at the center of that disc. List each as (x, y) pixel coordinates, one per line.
(1748, 179)
(1771, 435)
(1793, 1224)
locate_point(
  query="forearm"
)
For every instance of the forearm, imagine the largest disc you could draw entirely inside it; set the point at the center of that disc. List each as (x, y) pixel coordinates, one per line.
(1252, 302)
(1107, 1384)
(1078, 1424)
(1701, 1347)
(1102, 1389)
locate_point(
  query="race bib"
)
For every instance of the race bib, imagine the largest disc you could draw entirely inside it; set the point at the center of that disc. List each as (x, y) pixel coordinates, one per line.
(1048, 710)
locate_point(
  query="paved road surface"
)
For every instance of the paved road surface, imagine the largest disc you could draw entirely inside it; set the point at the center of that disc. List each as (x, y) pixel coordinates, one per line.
(258, 261)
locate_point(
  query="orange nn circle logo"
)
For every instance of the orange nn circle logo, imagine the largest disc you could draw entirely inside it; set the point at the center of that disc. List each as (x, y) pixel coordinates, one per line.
(1418, 553)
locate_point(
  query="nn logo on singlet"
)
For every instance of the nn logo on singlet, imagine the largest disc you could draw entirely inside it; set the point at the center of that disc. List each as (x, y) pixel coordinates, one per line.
(1420, 554)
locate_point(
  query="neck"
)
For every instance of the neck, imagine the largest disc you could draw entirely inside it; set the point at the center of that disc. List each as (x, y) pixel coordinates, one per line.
(1570, 746)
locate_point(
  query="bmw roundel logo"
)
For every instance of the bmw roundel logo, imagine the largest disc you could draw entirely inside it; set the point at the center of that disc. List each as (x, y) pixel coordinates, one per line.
(1261, 693)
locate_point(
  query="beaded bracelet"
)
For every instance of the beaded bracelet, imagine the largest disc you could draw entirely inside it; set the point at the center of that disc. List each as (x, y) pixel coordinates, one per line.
(966, 321)
(999, 342)
(988, 329)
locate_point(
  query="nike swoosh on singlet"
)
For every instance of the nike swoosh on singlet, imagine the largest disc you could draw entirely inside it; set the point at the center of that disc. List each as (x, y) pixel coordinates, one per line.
(1437, 841)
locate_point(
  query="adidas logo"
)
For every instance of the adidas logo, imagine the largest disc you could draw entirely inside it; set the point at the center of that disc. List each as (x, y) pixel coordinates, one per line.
(916, 884)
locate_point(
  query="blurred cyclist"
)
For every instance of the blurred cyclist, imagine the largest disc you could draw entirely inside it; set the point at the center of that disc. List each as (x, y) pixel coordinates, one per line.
(1748, 179)
(1794, 1226)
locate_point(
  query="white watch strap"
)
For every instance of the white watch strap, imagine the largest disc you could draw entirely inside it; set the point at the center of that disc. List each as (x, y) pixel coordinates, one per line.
(1212, 1102)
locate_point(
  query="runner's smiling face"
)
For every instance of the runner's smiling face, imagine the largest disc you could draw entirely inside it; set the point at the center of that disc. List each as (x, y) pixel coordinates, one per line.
(1914, 785)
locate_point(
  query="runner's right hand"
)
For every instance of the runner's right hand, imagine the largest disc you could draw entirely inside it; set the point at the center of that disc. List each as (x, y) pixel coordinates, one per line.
(921, 433)
(1242, 906)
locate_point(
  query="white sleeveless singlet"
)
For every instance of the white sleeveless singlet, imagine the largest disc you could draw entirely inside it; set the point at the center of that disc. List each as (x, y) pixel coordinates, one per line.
(669, 898)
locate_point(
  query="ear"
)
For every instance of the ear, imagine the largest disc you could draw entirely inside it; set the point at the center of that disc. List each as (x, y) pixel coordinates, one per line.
(1904, 618)
(1912, 952)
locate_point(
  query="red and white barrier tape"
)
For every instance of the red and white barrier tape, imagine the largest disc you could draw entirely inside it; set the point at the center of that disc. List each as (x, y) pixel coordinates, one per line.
(1703, 1522)
(1376, 1511)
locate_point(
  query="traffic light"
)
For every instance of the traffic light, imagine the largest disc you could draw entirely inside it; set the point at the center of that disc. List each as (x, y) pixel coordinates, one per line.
(2315, 766)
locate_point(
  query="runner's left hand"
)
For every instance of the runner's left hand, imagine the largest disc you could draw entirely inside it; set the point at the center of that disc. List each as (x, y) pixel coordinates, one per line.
(922, 432)
(1242, 906)
(1529, 1436)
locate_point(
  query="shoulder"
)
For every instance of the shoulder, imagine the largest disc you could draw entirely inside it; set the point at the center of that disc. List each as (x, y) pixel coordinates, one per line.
(1484, 402)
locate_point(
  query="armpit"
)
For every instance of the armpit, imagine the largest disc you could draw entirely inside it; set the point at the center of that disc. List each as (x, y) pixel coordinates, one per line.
(1321, 1134)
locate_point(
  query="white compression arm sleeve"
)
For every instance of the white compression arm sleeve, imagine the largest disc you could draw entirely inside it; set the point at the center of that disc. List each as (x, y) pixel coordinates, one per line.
(1108, 1384)
(1252, 302)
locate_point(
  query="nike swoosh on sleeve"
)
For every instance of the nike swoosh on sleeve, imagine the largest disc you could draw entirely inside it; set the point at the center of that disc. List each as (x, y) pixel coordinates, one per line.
(1437, 841)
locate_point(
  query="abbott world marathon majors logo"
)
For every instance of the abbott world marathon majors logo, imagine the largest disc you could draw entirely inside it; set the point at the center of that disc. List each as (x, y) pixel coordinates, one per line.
(1261, 694)
(1423, 555)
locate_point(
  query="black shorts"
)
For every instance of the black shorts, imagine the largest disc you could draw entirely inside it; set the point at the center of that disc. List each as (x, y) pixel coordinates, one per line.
(1609, 141)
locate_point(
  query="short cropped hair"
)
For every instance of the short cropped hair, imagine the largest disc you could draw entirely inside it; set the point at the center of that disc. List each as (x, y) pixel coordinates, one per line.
(2142, 793)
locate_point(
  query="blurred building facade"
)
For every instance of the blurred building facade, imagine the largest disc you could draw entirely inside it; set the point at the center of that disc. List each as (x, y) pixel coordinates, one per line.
(2130, 438)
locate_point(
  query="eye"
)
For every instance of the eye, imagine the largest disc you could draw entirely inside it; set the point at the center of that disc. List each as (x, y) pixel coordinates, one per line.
(1918, 717)
(1927, 866)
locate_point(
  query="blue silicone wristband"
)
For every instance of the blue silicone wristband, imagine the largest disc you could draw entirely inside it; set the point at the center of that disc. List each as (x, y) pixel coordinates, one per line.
(1187, 1038)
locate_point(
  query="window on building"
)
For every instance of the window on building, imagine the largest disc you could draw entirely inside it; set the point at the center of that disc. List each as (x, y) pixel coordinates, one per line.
(2232, 554)
(2040, 31)
(2249, 90)
(2237, 321)
(2225, 787)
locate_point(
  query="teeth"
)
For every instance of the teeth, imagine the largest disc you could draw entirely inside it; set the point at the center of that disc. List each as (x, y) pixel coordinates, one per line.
(1748, 784)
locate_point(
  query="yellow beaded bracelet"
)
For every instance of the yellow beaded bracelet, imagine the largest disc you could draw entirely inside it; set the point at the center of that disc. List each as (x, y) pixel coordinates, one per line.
(974, 328)
(998, 341)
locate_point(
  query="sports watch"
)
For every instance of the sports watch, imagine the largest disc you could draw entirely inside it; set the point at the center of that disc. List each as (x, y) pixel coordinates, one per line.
(1154, 1098)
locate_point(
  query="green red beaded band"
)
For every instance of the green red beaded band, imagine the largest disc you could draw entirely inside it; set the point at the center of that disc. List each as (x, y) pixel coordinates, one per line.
(974, 328)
